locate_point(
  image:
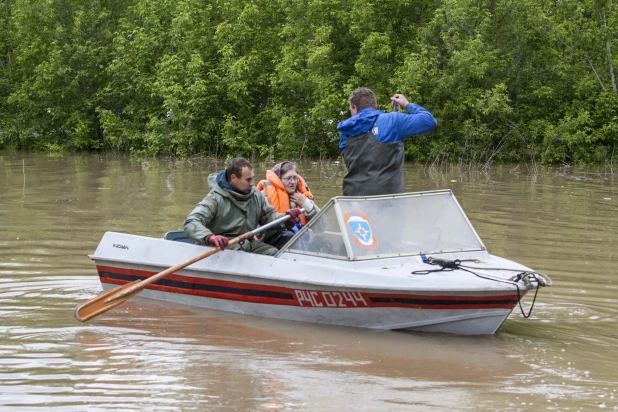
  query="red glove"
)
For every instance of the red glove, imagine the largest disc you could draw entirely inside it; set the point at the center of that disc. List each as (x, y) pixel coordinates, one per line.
(218, 241)
(293, 213)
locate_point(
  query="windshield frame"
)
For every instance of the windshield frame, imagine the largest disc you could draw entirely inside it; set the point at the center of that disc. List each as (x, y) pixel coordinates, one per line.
(336, 203)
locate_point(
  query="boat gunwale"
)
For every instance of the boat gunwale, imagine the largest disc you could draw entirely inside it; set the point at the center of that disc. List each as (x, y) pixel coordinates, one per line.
(472, 287)
(377, 257)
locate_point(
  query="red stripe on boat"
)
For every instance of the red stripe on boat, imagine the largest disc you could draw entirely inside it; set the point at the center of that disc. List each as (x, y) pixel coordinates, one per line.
(254, 293)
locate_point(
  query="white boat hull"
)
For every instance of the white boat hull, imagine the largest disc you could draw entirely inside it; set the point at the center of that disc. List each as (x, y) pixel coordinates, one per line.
(463, 322)
(354, 294)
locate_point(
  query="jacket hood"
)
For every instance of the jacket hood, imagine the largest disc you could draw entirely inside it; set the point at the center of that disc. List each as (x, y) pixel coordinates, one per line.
(218, 182)
(357, 124)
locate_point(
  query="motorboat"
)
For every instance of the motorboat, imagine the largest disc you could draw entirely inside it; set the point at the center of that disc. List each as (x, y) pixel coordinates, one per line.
(410, 262)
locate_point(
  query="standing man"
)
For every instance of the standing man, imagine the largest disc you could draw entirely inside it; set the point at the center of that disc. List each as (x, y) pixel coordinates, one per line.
(233, 207)
(371, 143)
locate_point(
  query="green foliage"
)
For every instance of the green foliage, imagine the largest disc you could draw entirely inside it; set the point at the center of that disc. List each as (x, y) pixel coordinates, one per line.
(507, 81)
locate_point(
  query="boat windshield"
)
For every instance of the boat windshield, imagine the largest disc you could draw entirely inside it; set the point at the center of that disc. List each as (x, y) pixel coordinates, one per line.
(355, 228)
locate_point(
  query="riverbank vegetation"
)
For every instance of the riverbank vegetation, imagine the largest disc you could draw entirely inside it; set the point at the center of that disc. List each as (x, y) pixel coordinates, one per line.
(508, 81)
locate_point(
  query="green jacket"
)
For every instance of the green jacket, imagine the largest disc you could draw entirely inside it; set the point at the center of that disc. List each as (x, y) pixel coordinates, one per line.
(228, 213)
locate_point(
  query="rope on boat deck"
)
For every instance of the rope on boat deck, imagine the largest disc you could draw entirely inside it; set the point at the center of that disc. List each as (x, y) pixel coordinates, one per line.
(526, 276)
(445, 265)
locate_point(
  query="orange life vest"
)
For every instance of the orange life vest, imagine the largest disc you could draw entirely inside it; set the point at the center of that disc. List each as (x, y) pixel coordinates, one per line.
(277, 195)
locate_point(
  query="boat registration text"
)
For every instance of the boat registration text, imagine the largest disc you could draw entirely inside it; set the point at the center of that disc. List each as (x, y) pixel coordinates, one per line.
(320, 298)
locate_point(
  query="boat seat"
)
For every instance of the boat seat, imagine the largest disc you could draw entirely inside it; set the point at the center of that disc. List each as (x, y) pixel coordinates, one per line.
(177, 236)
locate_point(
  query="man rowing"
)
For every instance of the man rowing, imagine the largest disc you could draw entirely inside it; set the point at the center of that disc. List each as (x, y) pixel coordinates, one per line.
(233, 207)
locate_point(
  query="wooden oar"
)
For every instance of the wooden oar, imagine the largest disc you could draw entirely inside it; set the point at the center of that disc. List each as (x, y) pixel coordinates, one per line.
(112, 298)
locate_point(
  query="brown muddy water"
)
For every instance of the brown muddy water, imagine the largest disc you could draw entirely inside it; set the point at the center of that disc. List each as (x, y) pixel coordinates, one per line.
(154, 356)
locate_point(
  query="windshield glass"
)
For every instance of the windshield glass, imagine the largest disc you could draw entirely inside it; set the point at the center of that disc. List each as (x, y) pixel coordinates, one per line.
(383, 226)
(324, 237)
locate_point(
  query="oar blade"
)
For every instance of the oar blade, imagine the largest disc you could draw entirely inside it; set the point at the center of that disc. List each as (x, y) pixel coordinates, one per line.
(106, 301)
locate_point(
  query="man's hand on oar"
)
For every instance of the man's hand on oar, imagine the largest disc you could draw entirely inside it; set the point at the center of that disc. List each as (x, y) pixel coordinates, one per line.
(218, 241)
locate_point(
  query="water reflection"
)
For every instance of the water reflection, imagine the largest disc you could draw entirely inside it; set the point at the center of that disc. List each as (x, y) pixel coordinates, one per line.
(156, 356)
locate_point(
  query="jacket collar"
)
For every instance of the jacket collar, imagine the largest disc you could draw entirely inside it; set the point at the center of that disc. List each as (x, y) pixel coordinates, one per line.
(357, 124)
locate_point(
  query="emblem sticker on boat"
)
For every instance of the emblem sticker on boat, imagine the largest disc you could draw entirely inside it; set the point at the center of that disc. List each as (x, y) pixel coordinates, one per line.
(361, 228)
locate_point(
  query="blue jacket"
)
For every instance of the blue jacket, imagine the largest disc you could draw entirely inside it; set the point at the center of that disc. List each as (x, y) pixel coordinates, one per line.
(389, 127)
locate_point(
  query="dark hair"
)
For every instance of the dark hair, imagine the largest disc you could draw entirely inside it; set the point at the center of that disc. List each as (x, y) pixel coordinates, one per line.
(235, 167)
(363, 98)
(282, 168)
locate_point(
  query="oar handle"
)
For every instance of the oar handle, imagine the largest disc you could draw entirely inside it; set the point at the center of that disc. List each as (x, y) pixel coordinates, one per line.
(112, 298)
